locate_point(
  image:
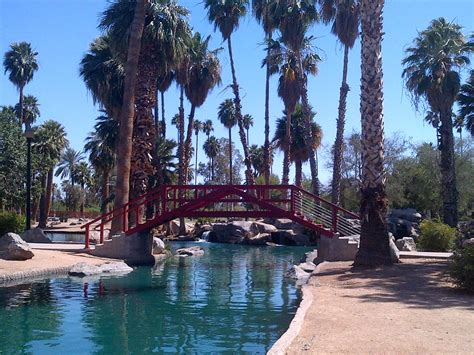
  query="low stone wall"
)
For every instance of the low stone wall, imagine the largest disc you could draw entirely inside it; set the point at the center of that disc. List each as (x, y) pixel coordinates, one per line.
(7, 279)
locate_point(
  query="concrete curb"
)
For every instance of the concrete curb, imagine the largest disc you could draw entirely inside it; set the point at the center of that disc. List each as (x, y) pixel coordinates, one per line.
(295, 326)
(32, 274)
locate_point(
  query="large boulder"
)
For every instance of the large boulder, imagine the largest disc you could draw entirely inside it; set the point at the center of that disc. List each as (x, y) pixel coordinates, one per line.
(191, 251)
(297, 273)
(283, 223)
(394, 252)
(264, 227)
(12, 247)
(85, 269)
(35, 235)
(406, 244)
(235, 232)
(260, 239)
(404, 223)
(289, 237)
(158, 246)
(200, 229)
(310, 256)
(173, 227)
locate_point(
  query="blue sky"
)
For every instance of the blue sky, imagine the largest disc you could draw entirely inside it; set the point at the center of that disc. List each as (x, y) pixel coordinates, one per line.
(61, 30)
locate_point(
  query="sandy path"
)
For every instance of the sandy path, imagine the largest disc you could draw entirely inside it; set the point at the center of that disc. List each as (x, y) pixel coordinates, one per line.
(409, 308)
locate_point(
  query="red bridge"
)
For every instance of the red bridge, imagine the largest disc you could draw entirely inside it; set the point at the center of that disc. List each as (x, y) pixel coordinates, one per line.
(169, 202)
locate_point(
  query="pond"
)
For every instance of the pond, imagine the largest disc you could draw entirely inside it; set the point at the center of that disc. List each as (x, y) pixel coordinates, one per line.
(232, 299)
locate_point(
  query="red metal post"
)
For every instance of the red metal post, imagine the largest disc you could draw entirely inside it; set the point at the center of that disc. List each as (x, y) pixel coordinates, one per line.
(124, 219)
(87, 237)
(101, 232)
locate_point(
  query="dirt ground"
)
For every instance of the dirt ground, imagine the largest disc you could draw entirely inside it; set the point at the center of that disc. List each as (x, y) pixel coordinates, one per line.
(409, 308)
(47, 259)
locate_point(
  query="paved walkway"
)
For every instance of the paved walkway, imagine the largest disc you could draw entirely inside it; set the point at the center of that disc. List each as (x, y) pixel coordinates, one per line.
(409, 308)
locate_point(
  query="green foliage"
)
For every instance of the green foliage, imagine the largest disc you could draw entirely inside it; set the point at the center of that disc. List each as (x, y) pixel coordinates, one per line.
(436, 236)
(461, 267)
(11, 222)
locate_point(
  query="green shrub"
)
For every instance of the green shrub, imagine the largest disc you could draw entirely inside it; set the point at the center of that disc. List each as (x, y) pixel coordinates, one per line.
(11, 222)
(461, 267)
(436, 236)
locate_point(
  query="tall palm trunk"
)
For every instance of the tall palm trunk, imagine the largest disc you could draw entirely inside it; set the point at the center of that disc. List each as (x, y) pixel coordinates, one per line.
(448, 170)
(143, 129)
(298, 172)
(105, 191)
(20, 102)
(124, 150)
(266, 146)
(49, 191)
(42, 204)
(196, 161)
(339, 143)
(285, 180)
(182, 171)
(231, 173)
(163, 120)
(188, 141)
(238, 114)
(156, 114)
(374, 240)
(212, 168)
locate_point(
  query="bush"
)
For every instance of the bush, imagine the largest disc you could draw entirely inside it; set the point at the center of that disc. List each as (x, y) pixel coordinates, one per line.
(11, 222)
(461, 267)
(436, 236)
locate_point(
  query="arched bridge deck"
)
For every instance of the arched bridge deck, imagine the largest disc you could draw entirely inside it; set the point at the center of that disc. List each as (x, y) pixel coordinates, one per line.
(168, 202)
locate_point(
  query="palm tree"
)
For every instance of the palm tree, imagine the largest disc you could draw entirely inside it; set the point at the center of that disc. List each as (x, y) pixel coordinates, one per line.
(466, 103)
(225, 15)
(175, 121)
(431, 75)
(296, 16)
(374, 241)
(166, 157)
(265, 13)
(30, 110)
(50, 142)
(203, 73)
(248, 122)
(163, 43)
(211, 148)
(207, 128)
(164, 83)
(124, 150)
(21, 63)
(228, 117)
(299, 150)
(83, 178)
(101, 146)
(344, 15)
(197, 127)
(103, 72)
(68, 164)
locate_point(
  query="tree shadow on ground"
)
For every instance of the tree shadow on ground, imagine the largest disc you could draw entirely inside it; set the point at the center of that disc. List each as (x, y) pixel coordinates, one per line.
(421, 284)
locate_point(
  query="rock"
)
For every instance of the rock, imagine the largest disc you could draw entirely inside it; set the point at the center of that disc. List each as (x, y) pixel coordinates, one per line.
(297, 273)
(113, 267)
(35, 235)
(191, 251)
(467, 229)
(264, 227)
(284, 223)
(235, 232)
(12, 247)
(310, 256)
(200, 229)
(394, 252)
(288, 237)
(173, 227)
(468, 243)
(404, 223)
(158, 246)
(406, 244)
(260, 239)
(307, 267)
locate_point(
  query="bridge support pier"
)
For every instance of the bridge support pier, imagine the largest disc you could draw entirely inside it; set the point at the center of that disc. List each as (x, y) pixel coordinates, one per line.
(135, 249)
(337, 248)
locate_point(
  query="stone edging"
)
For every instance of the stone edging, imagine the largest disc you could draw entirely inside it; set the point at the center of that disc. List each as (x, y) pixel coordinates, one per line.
(295, 326)
(6, 279)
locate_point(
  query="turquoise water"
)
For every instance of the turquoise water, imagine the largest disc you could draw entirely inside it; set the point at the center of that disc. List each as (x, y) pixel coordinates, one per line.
(232, 299)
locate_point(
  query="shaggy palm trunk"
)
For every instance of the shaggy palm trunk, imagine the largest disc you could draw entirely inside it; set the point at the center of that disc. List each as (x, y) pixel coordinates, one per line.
(105, 191)
(42, 209)
(188, 141)
(163, 120)
(124, 150)
(156, 114)
(238, 113)
(182, 177)
(307, 134)
(285, 180)
(196, 161)
(298, 172)
(374, 240)
(49, 191)
(231, 174)
(339, 143)
(144, 139)
(448, 171)
(20, 102)
(266, 146)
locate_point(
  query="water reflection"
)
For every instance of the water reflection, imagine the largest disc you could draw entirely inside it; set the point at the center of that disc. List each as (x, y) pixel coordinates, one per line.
(234, 298)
